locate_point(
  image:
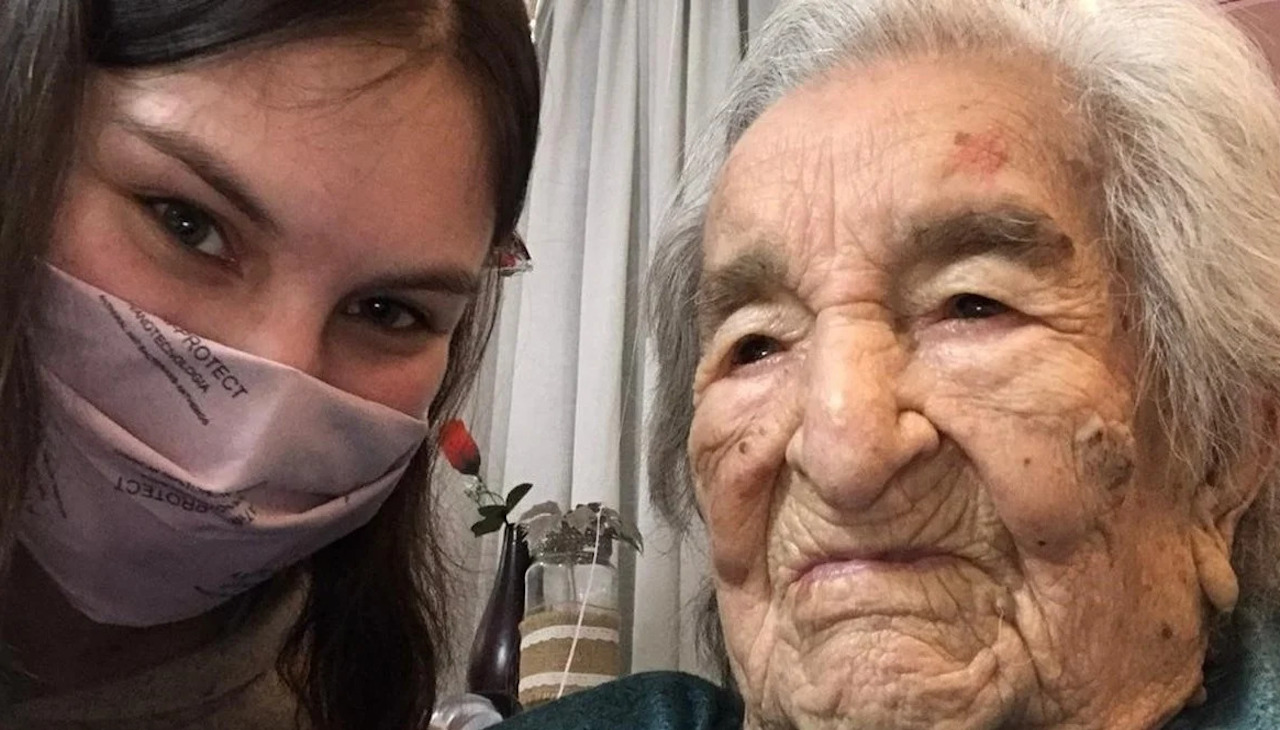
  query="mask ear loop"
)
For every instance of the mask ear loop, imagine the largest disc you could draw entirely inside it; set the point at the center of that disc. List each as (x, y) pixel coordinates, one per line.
(582, 611)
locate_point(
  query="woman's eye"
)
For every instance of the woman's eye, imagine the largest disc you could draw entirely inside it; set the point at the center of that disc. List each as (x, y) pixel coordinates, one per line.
(190, 226)
(388, 314)
(753, 348)
(973, 306)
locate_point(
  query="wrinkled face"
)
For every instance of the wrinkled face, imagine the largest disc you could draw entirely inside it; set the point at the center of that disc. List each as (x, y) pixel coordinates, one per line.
(282, 204)
(929, 500)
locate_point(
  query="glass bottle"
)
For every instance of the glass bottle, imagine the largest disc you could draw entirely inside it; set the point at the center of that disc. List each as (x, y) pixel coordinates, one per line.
(570, 580)
(493, 671)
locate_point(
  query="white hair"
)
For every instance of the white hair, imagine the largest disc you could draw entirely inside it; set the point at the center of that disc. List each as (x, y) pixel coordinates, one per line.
(1182, 122)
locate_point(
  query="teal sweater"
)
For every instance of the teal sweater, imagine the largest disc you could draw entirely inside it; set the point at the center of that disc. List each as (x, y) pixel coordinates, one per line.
(649, 701)
(1243, 691)
(1243, 687)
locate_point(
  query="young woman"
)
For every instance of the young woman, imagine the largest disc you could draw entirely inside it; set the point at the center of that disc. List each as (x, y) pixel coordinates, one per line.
(247, 259)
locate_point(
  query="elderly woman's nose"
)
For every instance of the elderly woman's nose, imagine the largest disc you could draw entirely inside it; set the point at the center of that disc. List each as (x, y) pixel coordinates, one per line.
(855, 434)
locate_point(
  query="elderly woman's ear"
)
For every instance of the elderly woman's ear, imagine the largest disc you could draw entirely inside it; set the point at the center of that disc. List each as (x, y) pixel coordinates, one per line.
(1221, 500)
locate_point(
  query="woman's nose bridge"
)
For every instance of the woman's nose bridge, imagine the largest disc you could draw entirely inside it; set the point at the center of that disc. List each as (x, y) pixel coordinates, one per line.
(852, 374)
(851, 435)
(288, 331)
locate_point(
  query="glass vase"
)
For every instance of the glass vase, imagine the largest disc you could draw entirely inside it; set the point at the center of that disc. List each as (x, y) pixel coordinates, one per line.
(570, 633)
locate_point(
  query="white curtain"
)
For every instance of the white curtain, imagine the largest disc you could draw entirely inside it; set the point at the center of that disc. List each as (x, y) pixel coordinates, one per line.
(561, 403)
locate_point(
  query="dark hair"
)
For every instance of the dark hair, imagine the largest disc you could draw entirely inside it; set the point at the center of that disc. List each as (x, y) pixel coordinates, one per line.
(366, 649)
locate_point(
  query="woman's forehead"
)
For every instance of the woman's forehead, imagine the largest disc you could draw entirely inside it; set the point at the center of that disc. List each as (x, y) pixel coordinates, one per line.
(335, 92)
(336, 144)
(295, 73)
(861, 155)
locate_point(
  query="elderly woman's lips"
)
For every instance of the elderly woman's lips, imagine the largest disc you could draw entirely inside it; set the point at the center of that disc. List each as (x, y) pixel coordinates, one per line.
(896, 562)
(840, 589)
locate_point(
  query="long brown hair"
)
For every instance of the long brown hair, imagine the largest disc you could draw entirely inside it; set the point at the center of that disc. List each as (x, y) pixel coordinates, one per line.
(365, 651)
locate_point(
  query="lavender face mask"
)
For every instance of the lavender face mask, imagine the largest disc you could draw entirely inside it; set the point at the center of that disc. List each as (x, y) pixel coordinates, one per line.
(177, 473)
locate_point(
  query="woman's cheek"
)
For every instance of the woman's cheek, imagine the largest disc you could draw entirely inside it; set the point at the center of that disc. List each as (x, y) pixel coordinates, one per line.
(1024, 465)
(737, 442)
(407, 384)
(1046, 427)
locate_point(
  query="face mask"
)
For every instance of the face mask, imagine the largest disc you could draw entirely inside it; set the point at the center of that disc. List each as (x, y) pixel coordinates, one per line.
(177, 473)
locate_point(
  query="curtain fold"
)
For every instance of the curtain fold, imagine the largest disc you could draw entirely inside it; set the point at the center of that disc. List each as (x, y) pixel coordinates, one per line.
(562, 398)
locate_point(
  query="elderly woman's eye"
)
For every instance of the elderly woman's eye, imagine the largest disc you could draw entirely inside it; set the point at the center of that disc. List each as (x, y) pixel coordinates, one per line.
(973, 306)
(753, 348)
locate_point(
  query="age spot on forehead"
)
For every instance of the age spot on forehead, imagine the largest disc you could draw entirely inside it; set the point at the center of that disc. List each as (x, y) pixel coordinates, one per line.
(982, 154)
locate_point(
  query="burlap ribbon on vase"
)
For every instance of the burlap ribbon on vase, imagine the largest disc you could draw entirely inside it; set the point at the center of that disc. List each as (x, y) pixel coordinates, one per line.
(546, 638)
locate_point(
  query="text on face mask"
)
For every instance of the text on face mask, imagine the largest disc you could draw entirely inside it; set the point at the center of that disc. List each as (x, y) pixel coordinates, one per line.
(203, 357)
(142, 349)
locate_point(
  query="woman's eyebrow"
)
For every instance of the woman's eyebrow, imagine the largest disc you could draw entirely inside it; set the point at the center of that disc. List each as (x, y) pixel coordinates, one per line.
(206, 165)
(447, 280)
(756, 274)
(1017, 233)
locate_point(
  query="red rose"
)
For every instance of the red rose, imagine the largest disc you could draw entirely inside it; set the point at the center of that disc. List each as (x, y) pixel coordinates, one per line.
(459, 448)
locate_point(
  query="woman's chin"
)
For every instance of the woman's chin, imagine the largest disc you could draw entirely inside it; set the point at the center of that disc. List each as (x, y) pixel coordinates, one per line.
(897, 672)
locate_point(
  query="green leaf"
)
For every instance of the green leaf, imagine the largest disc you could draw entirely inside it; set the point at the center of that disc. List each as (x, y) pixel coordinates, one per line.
(537, 528)
(631, 536)
(491, 510)
(516, 494)
(487, 525)
(541, 508)
(634, 539)
(623, 530)
(581, 518)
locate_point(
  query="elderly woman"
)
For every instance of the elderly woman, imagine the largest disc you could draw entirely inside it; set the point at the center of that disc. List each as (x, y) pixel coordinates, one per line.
(969, 327)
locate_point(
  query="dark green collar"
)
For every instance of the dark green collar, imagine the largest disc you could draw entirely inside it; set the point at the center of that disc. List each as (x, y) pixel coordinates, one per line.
(1243, 684)
(648, 701)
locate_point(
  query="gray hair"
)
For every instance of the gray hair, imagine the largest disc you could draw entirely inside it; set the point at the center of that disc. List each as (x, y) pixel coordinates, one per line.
(1183, 125)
